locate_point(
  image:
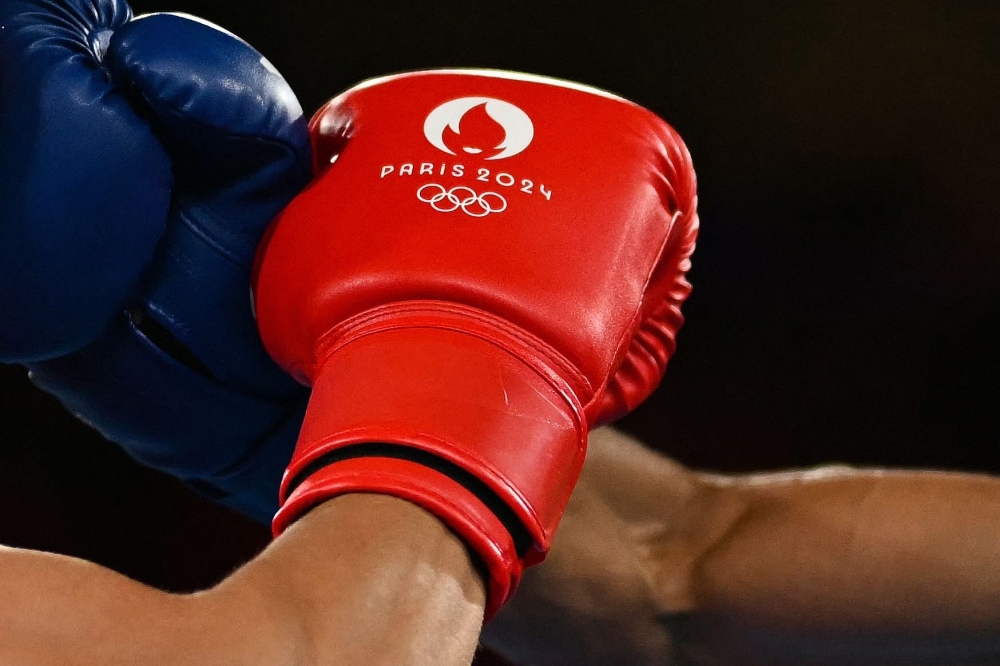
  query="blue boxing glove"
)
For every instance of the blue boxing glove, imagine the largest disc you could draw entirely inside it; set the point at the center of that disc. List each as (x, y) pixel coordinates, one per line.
(140, 162)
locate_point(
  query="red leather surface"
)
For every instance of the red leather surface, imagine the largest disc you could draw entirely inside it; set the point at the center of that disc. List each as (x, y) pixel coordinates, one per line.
(572, 268)
(489, 265)
(439, 380)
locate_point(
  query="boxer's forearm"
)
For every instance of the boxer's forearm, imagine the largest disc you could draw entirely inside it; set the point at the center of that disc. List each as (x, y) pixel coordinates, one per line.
(361, 579)
(836, 548)
(853, 565)
(864, 568)
(59, 611)
(857, 550)
(368, 579)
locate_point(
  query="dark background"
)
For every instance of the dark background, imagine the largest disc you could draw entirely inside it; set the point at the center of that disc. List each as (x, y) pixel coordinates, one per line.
(847, 291)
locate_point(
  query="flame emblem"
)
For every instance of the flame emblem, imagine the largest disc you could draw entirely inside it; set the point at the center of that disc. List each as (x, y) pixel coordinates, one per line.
(481, 126)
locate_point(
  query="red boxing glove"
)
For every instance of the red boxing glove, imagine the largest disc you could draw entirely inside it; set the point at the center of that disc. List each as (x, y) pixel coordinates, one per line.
(493, 264)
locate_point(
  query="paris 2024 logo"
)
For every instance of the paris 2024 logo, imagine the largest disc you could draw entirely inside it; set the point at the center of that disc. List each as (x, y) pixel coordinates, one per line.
(476, 129)
(491, 128)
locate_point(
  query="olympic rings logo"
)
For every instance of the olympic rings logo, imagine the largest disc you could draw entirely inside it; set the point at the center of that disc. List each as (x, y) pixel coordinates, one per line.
(461, 197)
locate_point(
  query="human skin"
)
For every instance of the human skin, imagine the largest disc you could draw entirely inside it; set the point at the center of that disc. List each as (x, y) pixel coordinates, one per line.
(362, 579)
(655, 563)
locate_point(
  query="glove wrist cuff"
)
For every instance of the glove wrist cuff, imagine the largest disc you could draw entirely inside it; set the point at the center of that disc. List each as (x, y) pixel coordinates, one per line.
(459, 402)
(461, 510)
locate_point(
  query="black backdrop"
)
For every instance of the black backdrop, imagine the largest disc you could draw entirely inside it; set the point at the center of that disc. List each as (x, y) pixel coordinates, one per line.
(847, 291)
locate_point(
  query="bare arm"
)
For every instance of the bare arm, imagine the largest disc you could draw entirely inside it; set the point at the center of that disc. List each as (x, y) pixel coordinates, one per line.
(361, 579)
(832, 548)
(826, 566)
(852, 563)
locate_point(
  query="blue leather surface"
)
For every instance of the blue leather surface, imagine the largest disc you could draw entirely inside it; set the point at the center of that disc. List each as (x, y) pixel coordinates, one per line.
(141, 161)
